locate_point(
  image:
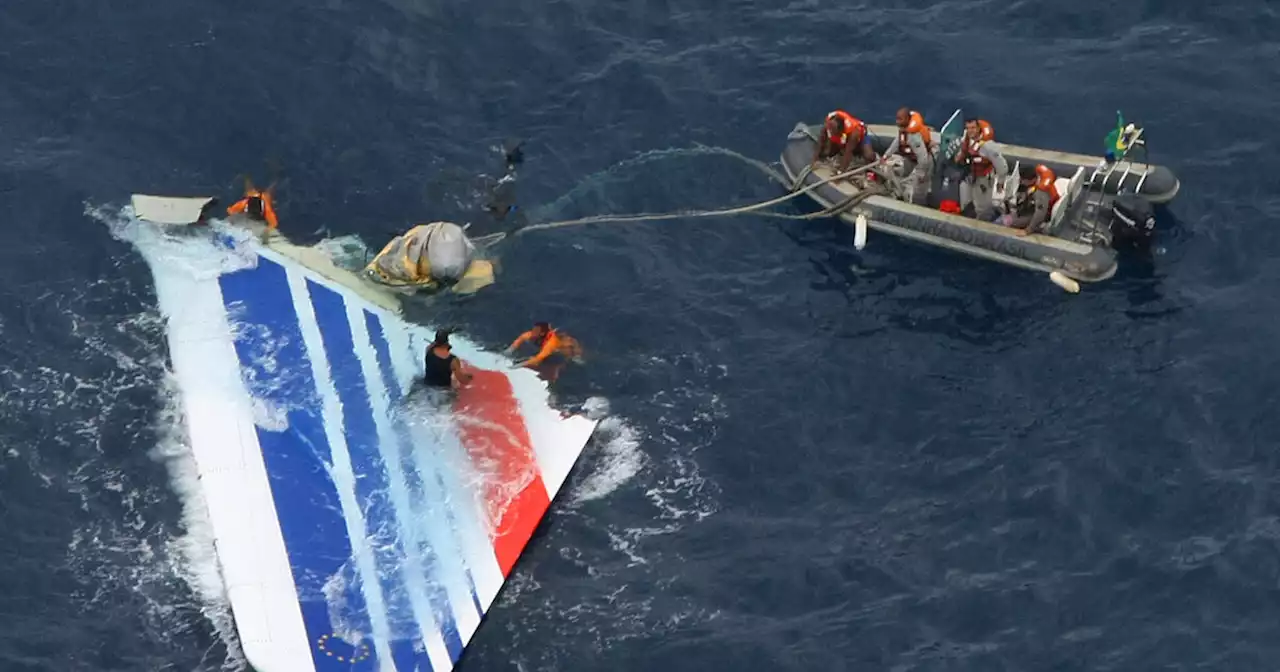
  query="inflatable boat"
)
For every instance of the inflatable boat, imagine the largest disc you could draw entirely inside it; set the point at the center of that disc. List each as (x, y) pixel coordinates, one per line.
(1104, 201)
(358, 525)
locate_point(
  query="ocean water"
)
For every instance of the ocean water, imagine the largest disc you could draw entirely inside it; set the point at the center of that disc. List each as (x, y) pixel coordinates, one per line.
(813, 458)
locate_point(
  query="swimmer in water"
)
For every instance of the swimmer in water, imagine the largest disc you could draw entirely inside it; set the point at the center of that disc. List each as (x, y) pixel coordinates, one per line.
(555, 350)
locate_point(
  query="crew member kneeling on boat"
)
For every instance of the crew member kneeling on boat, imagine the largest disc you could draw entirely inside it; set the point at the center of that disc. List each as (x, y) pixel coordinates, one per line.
(979, 153)
(842, 135)
(913, 144)
(555, 349)
(1034, 201)
(442, 368)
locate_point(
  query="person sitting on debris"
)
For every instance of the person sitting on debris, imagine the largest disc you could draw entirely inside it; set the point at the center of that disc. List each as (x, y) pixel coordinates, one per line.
(441, 368)
(256, 205)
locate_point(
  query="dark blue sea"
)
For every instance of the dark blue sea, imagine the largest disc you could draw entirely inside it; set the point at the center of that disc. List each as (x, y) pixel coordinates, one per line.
(815, 458)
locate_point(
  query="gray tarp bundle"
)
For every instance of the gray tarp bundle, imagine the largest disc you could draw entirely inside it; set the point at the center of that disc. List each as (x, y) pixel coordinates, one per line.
(439, 251)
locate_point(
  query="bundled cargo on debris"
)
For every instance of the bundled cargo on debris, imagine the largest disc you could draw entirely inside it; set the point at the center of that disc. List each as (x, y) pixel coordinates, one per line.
(431, 256)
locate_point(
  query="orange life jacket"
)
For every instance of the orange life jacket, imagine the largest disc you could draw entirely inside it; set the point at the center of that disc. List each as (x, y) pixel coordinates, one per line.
(977, 162)
(1046, 182)
(551, 338)
(242, 205)
(553, 342)
(851, 128)
(916, 125)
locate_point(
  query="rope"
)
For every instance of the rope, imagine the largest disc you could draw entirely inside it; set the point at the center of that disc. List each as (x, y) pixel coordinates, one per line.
(755, 208)
(651, 156)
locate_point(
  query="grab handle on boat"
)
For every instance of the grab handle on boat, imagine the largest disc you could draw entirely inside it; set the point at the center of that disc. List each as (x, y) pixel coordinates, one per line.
(860, 232)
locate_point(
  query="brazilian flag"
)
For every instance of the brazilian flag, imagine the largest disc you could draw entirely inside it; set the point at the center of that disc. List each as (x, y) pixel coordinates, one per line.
(1114, 143)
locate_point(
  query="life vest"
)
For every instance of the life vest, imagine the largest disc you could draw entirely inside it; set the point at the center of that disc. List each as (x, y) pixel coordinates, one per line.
(916, 125)
(551, 337)
(1046, 182)
(552, 343)
(851, 128)
(268, 212)
(978, 163)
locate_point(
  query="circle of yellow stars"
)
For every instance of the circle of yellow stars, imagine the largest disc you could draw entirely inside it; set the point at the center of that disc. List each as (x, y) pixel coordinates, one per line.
(360, 652)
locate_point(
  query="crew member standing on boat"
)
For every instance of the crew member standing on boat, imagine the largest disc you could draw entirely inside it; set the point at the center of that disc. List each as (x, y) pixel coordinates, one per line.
(914, 143)
(442, 368)
(1035, 200)
(979, 153)
(842, 135)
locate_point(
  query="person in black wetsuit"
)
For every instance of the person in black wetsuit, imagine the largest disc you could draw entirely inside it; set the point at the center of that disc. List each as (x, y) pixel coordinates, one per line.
(442, 367)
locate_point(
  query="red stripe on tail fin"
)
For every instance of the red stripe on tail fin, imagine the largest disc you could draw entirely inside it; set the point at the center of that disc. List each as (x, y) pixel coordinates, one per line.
(498, 443)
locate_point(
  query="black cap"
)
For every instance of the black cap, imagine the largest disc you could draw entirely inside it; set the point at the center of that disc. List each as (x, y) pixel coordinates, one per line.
(442, 337)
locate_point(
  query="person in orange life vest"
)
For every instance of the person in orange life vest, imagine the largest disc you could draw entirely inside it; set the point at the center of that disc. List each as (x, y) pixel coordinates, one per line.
(1034, 203)
(256, 204)
(915, 144)
(842, 135)
(979, 152)
(552, 344)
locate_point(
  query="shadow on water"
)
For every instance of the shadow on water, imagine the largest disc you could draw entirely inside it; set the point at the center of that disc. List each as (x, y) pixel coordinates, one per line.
(915, 287)
(1142, 269)
(919, 288)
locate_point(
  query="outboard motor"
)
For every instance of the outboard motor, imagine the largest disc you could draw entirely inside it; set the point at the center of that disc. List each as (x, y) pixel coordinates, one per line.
(1133, 221)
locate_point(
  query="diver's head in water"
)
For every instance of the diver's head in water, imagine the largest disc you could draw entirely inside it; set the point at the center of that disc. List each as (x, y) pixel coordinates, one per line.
(513, 151)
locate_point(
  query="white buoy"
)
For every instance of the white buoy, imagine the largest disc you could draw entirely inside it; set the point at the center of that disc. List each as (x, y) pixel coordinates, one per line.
(860, 232)
(1064, 282)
